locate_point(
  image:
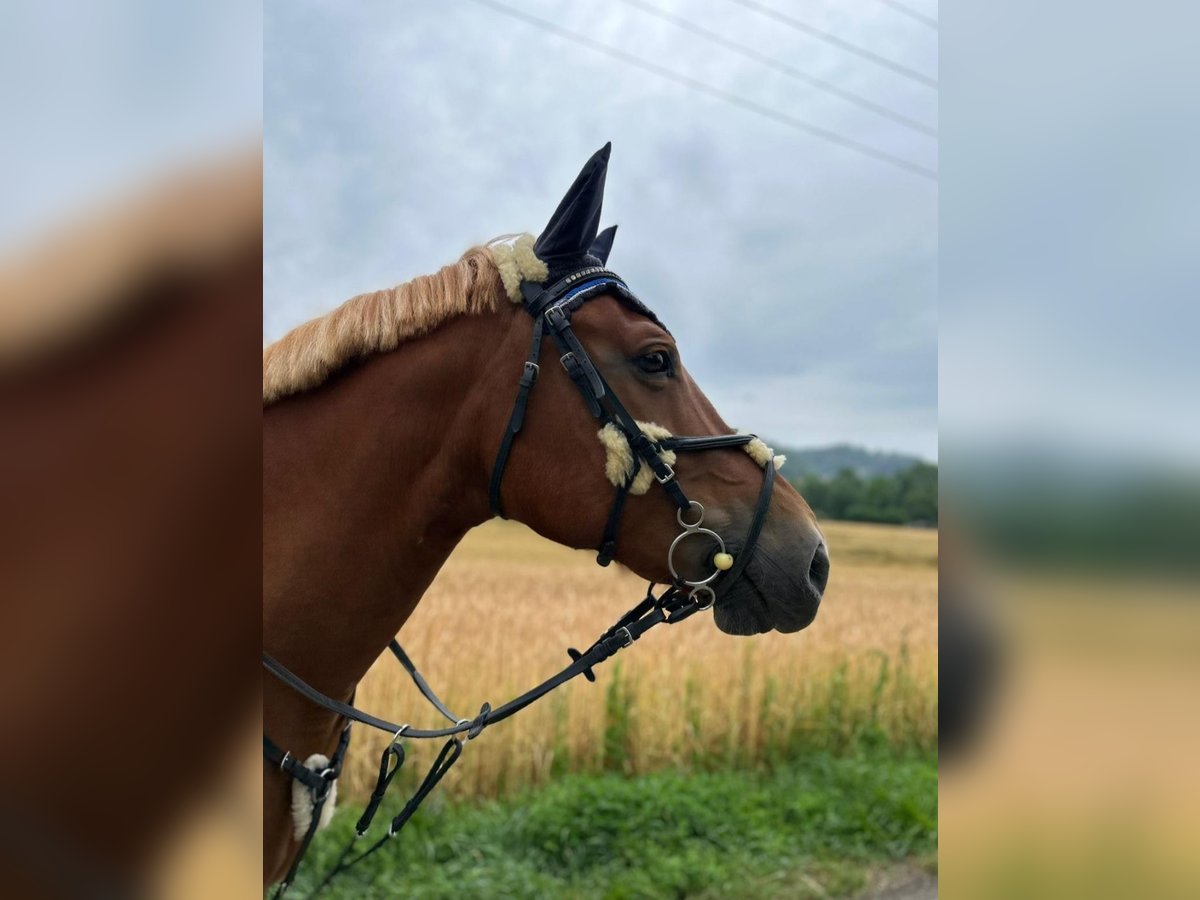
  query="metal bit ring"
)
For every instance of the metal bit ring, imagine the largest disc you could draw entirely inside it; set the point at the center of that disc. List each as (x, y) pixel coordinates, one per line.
(690, 529)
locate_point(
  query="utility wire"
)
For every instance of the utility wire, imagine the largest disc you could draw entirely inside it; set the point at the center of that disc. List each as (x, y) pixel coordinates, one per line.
(836, 41)
(720, 94)
(791, 71)
(911, 13)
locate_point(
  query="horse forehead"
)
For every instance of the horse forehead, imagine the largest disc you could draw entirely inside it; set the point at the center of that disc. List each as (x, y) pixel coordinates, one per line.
(608, 316)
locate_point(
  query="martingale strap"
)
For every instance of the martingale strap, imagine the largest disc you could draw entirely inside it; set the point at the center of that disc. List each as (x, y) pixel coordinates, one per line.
(420, 682)
(670, 607)
(446, 758)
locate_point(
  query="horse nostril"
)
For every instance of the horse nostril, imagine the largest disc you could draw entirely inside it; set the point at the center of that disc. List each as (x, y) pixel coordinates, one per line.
(818, 569)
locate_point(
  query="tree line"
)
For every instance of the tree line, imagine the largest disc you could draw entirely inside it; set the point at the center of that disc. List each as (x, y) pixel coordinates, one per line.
(908, 497)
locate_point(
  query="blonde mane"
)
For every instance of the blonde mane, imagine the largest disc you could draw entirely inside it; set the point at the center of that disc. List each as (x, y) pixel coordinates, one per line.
(379, 321)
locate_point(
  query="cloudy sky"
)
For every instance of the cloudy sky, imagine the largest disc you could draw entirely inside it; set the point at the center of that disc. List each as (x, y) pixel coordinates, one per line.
(798, 275)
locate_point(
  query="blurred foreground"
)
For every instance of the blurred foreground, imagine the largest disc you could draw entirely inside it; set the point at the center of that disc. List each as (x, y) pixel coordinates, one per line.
(130, 542)
(1082, 779)
(130, 448)
(1069, 445)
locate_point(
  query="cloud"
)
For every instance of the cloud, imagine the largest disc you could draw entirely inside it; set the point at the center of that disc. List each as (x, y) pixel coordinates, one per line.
(394, 141)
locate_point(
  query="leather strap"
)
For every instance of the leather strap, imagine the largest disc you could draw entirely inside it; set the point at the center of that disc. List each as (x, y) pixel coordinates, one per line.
(516, 418)
(446, 758)
(419, 681)
(714, 442)
(671, 607)
(761, 508)
(608, 644)
(608, 542)
(318, 783)
(390, 762)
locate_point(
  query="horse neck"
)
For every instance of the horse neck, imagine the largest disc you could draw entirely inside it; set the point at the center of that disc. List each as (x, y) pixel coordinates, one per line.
(368, 485)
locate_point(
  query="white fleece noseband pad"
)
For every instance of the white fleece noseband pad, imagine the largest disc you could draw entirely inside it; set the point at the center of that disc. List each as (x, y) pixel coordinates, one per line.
(619, 459)
(760, 453)
(302, 799)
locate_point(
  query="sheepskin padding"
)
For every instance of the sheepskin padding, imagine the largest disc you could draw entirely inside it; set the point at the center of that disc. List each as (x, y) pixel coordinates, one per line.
(302, 800)
(760, 453)
(515, 259)
(619, 459)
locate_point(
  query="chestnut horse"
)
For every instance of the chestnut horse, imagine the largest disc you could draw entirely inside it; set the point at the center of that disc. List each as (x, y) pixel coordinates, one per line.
(380, 433)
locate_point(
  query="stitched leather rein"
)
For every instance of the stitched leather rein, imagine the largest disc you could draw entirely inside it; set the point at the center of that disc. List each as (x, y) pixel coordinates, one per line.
(551, 309)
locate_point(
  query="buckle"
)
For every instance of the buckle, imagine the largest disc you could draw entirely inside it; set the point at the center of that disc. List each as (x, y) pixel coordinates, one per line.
(556, 318)
(581, 374)
(530, 375)
(328, 776)
(624, 631)
(669, 476)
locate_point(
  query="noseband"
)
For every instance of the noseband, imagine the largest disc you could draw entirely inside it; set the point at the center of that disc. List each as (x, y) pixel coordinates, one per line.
(551, 309)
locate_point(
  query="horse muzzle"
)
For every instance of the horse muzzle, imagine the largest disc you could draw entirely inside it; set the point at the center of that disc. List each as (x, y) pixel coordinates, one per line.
(781, 589)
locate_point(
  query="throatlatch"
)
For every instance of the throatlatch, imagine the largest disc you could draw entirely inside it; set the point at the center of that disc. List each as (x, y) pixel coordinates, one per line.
(574, 258)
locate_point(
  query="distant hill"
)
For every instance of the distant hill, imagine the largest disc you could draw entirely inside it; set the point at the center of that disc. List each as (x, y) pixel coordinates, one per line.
(825, 462)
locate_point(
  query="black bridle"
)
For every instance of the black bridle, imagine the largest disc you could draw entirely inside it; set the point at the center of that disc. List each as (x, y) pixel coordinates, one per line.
(551, 309)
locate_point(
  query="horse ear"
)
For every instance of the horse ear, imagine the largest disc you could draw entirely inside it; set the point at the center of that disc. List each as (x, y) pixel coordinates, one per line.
(571, 230)
(602, 245)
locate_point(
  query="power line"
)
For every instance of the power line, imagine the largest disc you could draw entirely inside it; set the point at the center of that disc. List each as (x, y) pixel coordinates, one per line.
(751, 53)
(720, 94)
(836, 41)
(911, 13)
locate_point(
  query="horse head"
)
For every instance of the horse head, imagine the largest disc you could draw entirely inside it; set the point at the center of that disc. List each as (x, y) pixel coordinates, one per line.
(610, 443)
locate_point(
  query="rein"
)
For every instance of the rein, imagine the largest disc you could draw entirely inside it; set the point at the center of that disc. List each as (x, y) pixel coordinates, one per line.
(551, 309)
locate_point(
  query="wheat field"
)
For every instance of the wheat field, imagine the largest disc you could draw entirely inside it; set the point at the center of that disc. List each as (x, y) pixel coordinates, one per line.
(501, 613)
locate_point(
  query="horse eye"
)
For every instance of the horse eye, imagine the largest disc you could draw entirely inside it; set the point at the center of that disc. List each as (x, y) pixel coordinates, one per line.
(657, 363)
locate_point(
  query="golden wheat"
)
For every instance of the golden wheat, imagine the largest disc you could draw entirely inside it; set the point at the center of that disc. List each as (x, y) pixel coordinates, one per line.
(499, 616)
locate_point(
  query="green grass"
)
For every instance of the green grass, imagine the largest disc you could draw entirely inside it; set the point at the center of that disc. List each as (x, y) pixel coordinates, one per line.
(810, 828)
